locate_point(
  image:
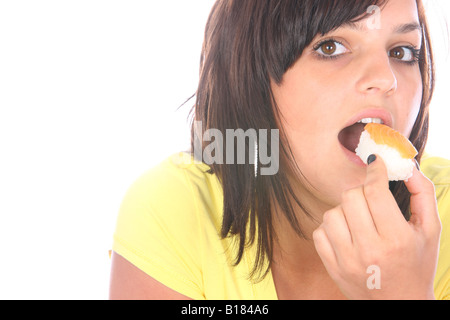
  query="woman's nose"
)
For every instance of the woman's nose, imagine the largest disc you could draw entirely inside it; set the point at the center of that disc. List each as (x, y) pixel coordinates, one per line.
(376, 75)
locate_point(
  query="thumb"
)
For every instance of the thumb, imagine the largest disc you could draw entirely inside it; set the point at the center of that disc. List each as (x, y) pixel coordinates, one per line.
(423, 202)
(377, 173)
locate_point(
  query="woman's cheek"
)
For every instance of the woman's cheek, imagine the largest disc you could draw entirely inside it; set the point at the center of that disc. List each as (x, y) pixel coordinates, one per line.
(410, 106)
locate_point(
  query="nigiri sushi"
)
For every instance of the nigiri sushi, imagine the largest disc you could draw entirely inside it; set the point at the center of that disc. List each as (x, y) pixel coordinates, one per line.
(397, 152)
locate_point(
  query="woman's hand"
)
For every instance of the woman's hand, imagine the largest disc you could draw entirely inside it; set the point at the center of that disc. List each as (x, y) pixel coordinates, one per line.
(368, 233)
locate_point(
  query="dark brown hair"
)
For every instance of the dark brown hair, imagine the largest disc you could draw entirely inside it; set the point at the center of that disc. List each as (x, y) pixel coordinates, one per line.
(248, 44)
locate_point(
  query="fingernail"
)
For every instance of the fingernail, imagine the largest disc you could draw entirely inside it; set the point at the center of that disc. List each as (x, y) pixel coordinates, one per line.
(371, 159)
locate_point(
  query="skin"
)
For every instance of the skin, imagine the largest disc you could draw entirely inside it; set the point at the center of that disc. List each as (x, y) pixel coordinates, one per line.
(364, 77)
(368, 229)
(362, 225)
(130, 283)
(356, 220)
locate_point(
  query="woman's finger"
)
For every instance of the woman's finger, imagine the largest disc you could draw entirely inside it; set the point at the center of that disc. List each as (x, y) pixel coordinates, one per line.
(359, 219)
(325, 250)
(424, 212)
(338, 233)
(384, 209)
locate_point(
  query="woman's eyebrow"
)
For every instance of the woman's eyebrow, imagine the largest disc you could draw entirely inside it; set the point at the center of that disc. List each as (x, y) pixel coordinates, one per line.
(401, 28)
(408, 27)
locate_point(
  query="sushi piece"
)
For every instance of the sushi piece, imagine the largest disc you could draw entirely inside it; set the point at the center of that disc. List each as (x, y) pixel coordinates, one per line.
(397, 152)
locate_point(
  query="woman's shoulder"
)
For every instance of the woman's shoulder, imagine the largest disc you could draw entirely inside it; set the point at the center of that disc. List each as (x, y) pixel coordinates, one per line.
(178, 172)
(167, 217)
(179, 183)
(176, 195)
(437, 169)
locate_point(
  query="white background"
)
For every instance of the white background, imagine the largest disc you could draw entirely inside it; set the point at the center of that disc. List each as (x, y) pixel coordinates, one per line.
(88, 98)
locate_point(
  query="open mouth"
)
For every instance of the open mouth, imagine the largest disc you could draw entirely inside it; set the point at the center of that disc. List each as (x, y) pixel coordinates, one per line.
(349, 136)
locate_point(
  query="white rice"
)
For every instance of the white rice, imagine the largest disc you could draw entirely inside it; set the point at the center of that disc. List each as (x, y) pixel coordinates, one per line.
(398, 168)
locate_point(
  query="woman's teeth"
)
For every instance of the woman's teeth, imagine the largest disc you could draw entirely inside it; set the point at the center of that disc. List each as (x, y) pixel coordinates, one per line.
(371, 120)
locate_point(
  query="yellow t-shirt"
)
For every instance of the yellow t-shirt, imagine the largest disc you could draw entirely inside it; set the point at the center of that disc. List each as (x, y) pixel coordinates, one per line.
(169, 227)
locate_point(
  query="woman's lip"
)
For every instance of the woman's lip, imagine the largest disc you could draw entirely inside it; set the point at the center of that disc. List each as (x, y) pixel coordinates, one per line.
(353, 157)
(372, 113)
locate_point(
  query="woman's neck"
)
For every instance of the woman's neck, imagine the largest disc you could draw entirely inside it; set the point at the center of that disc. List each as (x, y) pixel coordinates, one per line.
(291, 247)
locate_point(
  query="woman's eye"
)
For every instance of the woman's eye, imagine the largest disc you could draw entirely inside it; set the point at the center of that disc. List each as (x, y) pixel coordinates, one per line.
(405, 54)
(330, 48)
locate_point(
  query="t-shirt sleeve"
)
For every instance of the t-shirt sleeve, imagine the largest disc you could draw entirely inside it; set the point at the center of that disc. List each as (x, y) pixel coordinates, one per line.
(157, 227)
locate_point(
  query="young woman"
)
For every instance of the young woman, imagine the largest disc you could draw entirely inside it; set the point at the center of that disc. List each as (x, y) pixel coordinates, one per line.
(323, 226)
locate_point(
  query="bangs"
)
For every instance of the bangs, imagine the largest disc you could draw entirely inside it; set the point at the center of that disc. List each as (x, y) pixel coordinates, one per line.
(294, 24)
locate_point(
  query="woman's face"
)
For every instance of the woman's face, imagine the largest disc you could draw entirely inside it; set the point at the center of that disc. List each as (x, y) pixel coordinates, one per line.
(368, 69)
